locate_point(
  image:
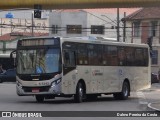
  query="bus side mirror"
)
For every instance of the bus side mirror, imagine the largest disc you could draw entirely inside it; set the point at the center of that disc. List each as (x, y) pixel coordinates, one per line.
(13, 56)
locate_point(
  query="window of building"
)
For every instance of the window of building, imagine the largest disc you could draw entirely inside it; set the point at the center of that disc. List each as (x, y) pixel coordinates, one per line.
(97, 29)
(153, 31)
(154, 57)
(136, 29)
(74, 29)
(54, 29)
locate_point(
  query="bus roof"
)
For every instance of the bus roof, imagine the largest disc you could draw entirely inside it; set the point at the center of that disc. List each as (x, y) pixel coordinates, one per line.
(108, 41)
(91, 39)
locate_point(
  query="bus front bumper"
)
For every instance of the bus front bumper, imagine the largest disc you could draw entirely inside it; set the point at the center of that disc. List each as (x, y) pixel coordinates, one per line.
(54, 89)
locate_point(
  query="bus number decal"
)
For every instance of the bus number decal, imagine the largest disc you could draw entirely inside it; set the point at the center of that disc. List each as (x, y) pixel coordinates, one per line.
(44, 83)
(97, 73)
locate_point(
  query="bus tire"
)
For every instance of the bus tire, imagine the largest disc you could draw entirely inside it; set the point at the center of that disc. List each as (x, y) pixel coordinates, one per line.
(39, 98)
(125, 92)
(78, 97)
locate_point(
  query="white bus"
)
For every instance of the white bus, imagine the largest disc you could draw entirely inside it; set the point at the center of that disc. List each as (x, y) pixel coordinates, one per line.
(48, 67)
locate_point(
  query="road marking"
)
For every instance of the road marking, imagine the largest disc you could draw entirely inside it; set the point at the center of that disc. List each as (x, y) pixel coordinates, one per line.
(150, 106)
(142, 100)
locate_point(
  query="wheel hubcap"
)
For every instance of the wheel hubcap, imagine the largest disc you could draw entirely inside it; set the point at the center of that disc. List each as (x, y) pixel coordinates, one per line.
(81, 92)
(125, 91)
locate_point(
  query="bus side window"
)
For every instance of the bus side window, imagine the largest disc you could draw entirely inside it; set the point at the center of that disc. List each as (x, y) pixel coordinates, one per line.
(139, 57)
(105, 55)
(146, 57)
(130, 57)
(82, 56)
(121, 56)
(94, 54)
(69, 58)
(112, 56)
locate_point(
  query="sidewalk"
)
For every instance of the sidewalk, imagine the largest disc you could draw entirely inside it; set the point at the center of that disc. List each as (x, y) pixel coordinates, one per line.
(155, 105)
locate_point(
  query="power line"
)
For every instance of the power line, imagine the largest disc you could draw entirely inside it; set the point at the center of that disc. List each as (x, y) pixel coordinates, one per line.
(95, 16)
(12, 25)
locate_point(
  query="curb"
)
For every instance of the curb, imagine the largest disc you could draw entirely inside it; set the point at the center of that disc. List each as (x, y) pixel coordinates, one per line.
(153, 108)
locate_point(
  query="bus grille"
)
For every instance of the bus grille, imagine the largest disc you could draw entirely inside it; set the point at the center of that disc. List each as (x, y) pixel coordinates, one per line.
(41, 89)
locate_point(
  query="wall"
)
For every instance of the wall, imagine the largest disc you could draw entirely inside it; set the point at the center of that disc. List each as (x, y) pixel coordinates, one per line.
(20, 25)
(86, 19)
(67, 18)
(23, 25)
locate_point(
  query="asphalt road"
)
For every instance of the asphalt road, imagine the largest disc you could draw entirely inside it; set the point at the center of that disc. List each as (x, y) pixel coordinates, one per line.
(9, 101)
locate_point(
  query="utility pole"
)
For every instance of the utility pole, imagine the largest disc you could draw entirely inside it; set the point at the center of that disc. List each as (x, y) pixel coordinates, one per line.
(1, 27)
(117, 24)
(32, 25)
(124, 28)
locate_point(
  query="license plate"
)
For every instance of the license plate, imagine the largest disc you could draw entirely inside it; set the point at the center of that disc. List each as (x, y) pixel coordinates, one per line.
(35, 90)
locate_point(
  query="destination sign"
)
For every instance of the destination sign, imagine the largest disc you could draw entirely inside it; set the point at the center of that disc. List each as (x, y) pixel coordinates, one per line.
(38, 42)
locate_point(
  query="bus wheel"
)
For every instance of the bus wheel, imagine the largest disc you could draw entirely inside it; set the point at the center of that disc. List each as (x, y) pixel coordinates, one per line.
(78, 97)
(39, 98)
(124, 94)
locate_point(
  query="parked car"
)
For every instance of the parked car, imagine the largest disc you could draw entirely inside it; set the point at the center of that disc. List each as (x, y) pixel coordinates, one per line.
(154, 78)
(8, 76)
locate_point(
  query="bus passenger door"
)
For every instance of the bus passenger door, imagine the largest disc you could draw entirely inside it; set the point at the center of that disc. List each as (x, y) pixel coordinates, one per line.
(69, 71)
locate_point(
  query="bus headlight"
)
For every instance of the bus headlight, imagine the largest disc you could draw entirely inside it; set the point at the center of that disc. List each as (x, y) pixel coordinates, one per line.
(56, 82)
(19, 84)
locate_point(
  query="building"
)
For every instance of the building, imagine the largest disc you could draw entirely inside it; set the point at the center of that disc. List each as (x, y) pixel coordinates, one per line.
(87, 22)
(20, 23)
(143, 24)
(8, 42)
(12, 25)
(22, 14)
(67, 23)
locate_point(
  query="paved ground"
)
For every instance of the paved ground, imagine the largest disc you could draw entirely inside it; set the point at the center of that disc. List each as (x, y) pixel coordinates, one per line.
(138, 101)
(153, 96)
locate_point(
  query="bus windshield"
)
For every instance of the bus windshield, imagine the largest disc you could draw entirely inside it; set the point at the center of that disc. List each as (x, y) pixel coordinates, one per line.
(38, 61)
